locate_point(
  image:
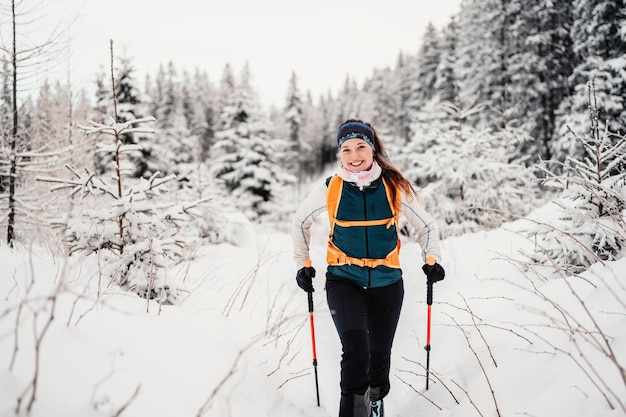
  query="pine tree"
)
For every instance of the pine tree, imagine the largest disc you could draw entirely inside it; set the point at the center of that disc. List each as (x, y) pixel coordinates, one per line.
(591, 226)
(406, 74)
(345, 106)
(435, 113)
(127, 94)
(52, 128)
(102, 97)
(154, 91)
(423, 73)
(379, 102)
(177, 145)
(300, 150)
(470, 179)
(600, 47)
(446, 83)
(128, 106)
(198, 99)
(225, 99)
(328, 127)
(480, 67)
(245, 158)
(539, 66)
(128, 222)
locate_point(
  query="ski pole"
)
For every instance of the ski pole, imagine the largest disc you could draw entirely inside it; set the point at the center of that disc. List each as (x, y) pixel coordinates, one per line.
(307, 263)
(429, 301)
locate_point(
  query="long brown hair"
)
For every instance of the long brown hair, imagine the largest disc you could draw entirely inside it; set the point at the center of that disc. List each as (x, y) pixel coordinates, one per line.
(389, 172)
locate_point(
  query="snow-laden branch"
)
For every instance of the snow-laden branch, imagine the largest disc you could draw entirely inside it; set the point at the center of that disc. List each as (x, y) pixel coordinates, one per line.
(86, 183)
(118, 128)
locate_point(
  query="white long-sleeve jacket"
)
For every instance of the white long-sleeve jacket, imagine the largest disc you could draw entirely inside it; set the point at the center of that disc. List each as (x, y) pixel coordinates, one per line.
(315, 204)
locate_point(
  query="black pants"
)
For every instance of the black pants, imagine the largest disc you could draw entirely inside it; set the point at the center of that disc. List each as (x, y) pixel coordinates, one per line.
(366, 321)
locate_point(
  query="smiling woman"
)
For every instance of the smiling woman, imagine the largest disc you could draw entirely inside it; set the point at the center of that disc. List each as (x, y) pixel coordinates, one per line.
(364, 286)
(356, 155)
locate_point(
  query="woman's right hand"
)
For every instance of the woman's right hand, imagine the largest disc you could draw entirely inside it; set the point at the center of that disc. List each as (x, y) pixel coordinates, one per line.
(304, 278)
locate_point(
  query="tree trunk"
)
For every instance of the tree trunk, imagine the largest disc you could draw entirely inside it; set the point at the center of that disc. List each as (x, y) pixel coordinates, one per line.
(13, 143)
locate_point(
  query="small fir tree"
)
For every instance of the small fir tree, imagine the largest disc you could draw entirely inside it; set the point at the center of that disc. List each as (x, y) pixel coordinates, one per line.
(592, 201)
(125, 220)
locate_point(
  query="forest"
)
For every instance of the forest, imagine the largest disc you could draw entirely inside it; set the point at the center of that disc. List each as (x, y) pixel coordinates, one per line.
(506, 107)
(511, 105)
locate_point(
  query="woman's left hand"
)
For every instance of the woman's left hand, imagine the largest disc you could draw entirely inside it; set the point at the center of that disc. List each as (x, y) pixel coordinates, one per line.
(434, 273)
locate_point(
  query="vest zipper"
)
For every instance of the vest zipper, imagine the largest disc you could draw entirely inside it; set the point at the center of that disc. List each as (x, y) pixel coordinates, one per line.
(367, 246)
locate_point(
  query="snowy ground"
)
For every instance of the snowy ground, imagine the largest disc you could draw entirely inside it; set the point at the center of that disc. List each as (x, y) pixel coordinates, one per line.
(238, 342)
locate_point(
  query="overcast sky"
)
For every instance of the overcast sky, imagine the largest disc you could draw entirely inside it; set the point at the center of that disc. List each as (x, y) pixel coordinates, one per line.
(321, 40)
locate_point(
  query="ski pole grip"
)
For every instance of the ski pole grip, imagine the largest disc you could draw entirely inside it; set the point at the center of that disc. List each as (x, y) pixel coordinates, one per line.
(430, 261)
(429, 293)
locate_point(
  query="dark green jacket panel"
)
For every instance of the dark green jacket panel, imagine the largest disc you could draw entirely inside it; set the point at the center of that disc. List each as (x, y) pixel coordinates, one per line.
(373, 242)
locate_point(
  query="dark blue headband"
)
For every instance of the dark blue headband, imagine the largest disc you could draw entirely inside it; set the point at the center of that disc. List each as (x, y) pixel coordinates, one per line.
(353, 130)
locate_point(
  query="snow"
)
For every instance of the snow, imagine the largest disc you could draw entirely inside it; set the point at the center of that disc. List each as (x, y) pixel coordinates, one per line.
(237, 343)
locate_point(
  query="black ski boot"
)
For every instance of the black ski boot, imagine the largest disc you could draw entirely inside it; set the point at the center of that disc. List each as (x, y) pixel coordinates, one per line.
(355, 405)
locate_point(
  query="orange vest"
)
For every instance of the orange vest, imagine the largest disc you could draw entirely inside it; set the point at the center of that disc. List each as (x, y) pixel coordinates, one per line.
(334, 255)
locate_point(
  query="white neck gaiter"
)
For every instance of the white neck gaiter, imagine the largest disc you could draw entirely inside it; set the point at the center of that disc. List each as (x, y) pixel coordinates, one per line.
(361, 179)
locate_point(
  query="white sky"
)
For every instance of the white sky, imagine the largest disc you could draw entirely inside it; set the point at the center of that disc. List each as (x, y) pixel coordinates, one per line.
(322, 40)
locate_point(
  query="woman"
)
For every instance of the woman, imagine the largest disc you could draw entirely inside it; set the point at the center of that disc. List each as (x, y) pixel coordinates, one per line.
(364, 285)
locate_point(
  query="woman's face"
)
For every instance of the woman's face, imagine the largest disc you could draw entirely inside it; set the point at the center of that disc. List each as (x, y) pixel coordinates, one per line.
(356, 155)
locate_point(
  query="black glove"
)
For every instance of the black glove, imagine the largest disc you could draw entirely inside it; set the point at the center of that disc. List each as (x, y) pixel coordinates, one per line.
(304, 277)
(434, 272)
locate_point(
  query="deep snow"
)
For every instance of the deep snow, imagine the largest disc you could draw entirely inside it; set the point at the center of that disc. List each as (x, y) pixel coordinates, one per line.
(238, 341)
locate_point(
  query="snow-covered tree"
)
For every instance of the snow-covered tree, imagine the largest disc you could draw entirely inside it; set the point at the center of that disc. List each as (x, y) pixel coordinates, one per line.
(198, 97)
(469, 179)
(446, 80)
(126, 221)
(379, 102)
(299, 150)
(513, 61)
(539, 65)
(245, 158)
(176, 143)
(225, 98)
(347, 103)
(251, 174)
(25, 55)
(599, 45)
(406, 73)
(422, 73)
(313, 134)
(480, 70)
(125, 105)
(127, 93)
(592, 201)
(446, 83)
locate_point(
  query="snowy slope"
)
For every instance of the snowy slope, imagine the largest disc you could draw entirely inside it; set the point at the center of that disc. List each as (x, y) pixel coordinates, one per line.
(238, 342)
